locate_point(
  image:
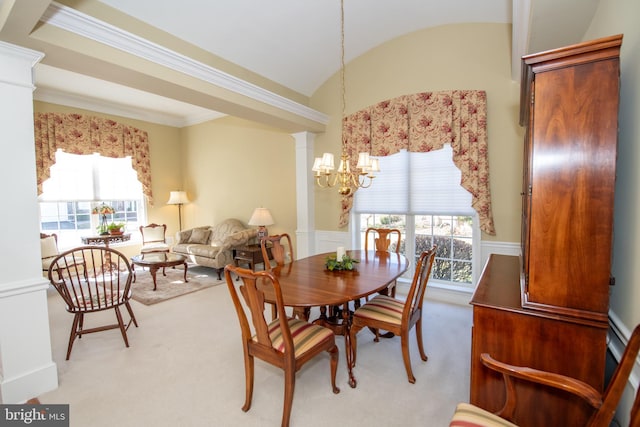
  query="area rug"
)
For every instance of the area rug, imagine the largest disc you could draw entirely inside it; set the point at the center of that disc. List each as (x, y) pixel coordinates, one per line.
(172, 285)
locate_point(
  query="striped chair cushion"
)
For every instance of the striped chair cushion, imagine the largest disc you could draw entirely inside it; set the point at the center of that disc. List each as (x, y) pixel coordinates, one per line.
(305, 335)
(467, 415)
(382, 308)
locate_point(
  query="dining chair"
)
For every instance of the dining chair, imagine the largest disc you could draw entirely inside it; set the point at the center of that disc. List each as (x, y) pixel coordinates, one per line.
(604, 404)
(286, 343)
(282, 253)
(384, 239)
(91, 279)
(397, 316)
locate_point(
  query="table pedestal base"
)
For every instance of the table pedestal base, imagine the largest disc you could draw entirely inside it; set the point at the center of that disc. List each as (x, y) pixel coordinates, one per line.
(340, 324)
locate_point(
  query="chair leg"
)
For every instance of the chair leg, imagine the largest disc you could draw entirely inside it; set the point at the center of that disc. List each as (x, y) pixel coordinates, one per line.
(333, 352)
(80, 325)
(130, 310)
(404, 341)
(419, 338)
(72, 336)
(289, 387)
(248, 372)
(354, 344)
(123, 330)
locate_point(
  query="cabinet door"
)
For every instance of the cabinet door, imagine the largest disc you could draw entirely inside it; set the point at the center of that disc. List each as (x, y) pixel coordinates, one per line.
(574, 137)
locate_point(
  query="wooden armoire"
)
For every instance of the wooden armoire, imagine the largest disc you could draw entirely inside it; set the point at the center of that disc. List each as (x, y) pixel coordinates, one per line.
(547, 309)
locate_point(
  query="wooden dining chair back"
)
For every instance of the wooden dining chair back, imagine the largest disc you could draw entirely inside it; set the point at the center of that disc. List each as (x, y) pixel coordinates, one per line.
(603, 404)
(281, 249)
(154, 238)
(92, 279)
(383, 312)
(384, 239)
(286, 343)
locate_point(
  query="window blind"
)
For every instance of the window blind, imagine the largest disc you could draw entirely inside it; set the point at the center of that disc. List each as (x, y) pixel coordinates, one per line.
(76, 177)
(415, 184)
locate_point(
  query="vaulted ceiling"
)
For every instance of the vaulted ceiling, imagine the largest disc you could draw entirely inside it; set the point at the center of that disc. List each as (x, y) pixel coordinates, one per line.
(234, 54)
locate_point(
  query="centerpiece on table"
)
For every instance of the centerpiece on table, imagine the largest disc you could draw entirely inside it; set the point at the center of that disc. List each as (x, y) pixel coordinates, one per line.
(340, 261)
(103, 210)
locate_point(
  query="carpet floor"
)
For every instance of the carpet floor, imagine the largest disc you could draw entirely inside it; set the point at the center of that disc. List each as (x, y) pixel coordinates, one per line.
(184, 367)
(171, 284)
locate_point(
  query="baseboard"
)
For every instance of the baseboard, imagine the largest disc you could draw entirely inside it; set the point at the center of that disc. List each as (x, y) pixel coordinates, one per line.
(435, 292)
(617, 339)
(30, 385)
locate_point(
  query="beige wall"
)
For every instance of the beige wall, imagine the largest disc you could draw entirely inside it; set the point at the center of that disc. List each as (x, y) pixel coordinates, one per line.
(235, 166)
(466, 56)
(620, 17)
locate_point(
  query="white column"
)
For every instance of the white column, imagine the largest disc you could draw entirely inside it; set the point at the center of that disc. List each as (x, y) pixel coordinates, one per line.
(26, 367)
(305, 234)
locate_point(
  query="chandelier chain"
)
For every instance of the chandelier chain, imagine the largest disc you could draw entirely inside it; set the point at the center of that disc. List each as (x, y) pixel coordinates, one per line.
(323, 167)
(342, 79)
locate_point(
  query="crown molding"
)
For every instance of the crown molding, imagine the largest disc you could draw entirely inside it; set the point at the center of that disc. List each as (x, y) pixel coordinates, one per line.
(71, 20)
(93, 104)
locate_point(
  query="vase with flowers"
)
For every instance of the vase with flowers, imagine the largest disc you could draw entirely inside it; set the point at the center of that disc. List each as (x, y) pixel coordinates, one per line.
(103, 210)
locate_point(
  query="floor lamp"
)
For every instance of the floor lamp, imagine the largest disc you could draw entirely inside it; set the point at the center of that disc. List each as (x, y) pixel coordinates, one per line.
(178, 198)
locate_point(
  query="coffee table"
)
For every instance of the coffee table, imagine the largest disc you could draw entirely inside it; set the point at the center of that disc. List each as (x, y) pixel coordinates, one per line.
(156, 260)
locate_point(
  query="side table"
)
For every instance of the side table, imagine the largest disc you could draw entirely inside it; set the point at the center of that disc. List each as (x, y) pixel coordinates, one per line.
(250, 254)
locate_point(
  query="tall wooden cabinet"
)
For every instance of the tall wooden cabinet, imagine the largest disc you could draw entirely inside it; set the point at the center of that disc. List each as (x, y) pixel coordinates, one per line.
(548, 308)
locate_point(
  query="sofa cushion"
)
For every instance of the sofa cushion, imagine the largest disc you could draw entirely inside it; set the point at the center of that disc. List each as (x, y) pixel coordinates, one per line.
(199, 236)
(206, 251)
(221, 231)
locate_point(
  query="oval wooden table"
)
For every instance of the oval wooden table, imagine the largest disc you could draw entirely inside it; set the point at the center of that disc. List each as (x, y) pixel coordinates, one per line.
(307, 283)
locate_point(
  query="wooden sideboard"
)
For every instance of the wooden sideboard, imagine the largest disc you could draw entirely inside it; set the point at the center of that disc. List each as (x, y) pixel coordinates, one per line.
(521, 336)
(548, 309)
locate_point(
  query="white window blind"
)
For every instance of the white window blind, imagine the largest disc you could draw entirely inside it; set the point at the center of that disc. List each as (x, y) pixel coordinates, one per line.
(416, 183)
(91, 177)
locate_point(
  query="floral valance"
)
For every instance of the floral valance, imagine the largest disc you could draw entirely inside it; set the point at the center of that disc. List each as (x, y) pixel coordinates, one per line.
(423, 122)
(80, 134)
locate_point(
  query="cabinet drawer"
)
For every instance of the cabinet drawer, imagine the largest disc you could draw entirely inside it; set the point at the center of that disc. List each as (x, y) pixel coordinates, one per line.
(244, 253)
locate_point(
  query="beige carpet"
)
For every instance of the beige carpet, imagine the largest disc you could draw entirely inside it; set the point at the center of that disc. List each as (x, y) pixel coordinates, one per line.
(172, 285)
(184, 368)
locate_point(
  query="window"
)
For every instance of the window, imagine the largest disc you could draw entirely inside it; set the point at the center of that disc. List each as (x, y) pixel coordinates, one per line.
(77, 184)
(419, 193)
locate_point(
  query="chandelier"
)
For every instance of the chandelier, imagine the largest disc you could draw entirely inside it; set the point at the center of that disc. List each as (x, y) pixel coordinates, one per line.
(323, 167)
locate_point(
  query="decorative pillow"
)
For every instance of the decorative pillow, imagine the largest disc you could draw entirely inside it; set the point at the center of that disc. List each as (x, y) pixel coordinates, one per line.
(199, 236)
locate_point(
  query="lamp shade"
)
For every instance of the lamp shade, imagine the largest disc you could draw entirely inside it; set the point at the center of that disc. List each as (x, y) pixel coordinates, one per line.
(178, 198)
(261, 216)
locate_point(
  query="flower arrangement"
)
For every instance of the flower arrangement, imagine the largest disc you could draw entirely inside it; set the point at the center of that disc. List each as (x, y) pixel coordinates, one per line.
(346, 263)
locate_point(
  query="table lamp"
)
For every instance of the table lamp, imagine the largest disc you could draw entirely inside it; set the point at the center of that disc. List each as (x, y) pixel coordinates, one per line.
(261, 217)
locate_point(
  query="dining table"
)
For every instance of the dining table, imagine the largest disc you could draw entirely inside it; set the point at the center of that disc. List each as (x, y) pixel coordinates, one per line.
(307, 283)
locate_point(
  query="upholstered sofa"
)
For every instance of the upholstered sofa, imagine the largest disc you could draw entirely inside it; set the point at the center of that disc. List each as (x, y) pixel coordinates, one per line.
(212, 246)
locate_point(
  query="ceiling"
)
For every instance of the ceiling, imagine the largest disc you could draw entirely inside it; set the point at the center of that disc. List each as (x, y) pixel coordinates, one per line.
(294, 44)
